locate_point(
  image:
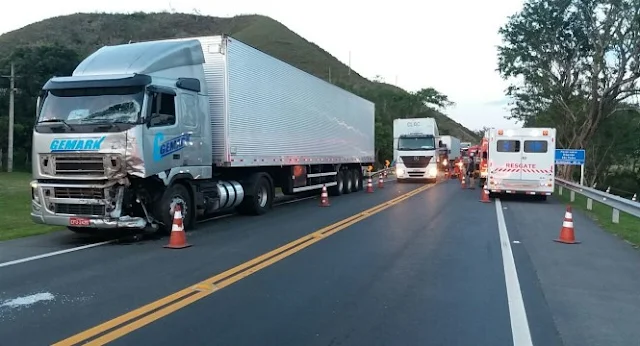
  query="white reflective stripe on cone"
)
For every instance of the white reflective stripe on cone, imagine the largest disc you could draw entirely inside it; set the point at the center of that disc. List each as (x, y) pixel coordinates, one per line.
(568, 224)
(567, 215)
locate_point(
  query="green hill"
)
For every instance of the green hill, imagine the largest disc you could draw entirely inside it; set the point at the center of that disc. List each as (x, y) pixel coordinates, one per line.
(84, 33)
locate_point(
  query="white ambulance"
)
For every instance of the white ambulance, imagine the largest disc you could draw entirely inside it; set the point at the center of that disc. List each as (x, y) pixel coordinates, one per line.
(521, 161)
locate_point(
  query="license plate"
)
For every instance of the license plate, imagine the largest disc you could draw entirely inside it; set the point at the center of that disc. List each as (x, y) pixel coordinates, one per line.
(79, 221)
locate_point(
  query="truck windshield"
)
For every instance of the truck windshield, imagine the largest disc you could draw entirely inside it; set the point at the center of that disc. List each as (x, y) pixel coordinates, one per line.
(416, 143)
(93, 106)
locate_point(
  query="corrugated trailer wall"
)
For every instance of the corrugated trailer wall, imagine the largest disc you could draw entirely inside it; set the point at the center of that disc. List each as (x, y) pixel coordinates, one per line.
(277, 115)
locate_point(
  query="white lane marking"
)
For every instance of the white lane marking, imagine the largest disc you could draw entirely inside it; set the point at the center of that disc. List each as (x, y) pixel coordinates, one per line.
(74, 249)
(61, 252)
(517, 313)
(55, 253)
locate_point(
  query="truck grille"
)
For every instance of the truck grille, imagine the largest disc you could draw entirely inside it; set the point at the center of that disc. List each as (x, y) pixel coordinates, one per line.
(78, 192)
(85, 165)
(415, 161)
(80, 209)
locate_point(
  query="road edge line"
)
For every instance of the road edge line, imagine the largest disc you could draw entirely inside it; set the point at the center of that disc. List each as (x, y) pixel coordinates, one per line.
(54, 253)
(520, 331)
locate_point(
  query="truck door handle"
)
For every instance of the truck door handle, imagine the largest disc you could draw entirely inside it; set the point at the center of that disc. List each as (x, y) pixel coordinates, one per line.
(176, 156)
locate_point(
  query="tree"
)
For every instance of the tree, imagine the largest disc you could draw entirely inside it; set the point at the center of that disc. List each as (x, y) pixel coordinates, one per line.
(577, 61)
(34, 66)
(433, 97)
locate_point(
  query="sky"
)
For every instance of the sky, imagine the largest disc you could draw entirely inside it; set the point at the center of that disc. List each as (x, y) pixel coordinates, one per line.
(448, 45)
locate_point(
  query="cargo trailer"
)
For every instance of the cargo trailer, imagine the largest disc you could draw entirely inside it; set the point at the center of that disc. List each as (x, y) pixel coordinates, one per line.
(207, 123)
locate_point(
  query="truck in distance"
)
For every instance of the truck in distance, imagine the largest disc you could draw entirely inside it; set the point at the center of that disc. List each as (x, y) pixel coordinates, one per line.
(415, 149)
(522, 161)
(451, 152)
(207, 123)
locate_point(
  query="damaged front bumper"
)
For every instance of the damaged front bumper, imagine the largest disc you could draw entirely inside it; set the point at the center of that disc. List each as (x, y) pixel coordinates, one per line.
(86, 205)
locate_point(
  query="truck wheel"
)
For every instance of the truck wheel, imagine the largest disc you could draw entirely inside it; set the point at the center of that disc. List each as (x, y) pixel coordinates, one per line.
(348, 181)
(176, 194)
(356, 176)
(261, 199)
(337, 189)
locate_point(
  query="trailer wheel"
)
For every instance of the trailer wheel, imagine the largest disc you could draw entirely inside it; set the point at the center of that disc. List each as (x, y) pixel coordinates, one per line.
(337, 189)
(356, 176)
(348, 181)
(261, 198)
(174, 195)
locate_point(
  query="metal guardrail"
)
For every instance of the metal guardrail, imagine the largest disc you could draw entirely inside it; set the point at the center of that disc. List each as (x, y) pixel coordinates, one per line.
(616, 203)
(373, 174)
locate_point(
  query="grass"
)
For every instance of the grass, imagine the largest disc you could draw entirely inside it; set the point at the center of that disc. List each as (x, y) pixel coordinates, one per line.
(628, 228)
(15, 206)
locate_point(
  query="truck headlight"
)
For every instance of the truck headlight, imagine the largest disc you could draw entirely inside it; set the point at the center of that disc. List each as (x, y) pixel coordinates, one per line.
(399, 171)
(432, 171)
(35, 196)
(445, 162)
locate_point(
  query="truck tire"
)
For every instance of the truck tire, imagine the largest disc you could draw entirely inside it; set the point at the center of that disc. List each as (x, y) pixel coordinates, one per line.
(261, 198)
(348, 181)
(356, 175)
(176, 194)
(337, 189)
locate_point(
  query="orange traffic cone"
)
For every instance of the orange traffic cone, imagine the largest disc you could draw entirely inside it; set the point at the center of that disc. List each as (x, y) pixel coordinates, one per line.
(567, 235)
(369, 185)
(381, 182)
(178, 239)
(324, 197)
(484, 195)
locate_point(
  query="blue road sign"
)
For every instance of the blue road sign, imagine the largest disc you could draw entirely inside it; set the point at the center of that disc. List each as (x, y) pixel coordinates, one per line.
(574, 157)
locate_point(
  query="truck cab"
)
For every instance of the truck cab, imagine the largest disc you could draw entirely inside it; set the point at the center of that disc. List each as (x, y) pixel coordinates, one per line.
(521, 161)
(416, 149)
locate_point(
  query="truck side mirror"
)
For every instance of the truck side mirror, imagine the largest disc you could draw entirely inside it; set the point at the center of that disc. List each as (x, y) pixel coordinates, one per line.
(440, 144)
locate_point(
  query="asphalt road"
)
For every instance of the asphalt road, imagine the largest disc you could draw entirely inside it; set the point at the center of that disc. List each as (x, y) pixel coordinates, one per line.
(428, 269)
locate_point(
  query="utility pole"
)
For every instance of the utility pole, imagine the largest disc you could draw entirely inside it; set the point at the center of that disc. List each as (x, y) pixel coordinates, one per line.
(12, 91)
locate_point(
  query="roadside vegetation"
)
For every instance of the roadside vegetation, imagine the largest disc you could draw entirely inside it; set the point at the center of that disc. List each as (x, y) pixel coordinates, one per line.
(66, 40)
(574, 65)
(628, 228)
(15, 206)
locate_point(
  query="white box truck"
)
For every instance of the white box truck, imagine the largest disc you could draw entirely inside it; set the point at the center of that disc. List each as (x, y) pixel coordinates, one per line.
(415, 149)
(207, 123)
(522, 161)
(452, 145)
(450, 151)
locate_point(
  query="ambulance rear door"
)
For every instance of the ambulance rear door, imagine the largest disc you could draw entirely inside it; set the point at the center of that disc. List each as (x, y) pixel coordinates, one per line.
(538, 158)
(505, 158)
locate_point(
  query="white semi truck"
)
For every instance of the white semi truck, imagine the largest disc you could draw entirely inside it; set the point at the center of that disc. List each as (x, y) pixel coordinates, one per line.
(415, 149)
(207, 123)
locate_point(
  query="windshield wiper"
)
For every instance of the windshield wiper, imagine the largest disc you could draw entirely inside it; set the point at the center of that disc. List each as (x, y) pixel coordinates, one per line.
(57, 121)
(108, 126)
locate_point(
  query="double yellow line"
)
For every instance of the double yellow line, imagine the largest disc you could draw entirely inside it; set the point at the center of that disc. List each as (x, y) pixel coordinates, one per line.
(129, 322)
